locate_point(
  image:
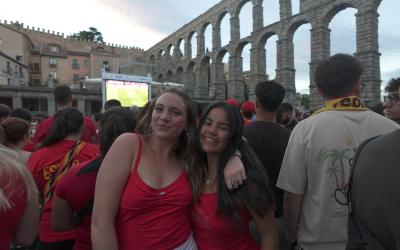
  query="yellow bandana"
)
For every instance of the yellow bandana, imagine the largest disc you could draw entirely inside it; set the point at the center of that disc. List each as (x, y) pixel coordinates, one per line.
(350, 103)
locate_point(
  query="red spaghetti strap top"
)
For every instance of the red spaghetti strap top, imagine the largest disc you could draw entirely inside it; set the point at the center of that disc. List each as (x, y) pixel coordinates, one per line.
(152, 218)
(212, 232)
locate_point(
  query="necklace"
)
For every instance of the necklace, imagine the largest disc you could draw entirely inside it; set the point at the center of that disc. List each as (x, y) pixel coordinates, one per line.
(158, 155)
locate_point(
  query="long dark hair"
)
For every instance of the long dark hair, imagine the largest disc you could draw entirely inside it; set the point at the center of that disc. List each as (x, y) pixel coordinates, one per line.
(186, 140)
(115, 122)
(255, 194)
(66, 121)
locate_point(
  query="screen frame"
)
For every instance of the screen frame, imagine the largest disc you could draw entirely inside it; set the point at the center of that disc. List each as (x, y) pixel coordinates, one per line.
(105, 76)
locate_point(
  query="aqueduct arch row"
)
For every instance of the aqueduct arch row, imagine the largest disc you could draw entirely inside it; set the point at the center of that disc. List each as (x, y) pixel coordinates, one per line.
(207, 81)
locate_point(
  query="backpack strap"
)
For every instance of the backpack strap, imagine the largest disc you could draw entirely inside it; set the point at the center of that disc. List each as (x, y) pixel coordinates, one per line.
(65, 164)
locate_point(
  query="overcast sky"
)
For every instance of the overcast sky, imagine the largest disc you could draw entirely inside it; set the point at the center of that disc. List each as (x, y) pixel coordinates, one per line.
(144, 23)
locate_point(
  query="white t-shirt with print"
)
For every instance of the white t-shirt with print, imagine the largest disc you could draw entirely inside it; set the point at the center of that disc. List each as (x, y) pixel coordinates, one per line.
(316, 165)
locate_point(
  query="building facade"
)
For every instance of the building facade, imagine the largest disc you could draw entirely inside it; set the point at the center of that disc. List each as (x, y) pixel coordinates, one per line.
(34, 61)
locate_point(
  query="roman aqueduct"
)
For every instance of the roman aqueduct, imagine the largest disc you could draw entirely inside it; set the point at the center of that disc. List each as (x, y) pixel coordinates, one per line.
(203, 73)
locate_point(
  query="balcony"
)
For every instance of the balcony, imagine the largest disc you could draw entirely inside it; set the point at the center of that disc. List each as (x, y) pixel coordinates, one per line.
(53, 65)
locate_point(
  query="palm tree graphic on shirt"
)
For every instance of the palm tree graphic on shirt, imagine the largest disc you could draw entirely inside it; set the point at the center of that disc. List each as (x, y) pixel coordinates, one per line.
(338, 159)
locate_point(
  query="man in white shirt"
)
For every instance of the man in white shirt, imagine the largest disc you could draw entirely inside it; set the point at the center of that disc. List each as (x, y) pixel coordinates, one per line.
(315, 169)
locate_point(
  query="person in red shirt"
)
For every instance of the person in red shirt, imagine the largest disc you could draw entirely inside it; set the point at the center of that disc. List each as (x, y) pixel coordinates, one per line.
(74, 194)
(61, 150)
(248, 110)
(220, 219)
(143, 194)
(16, 134)
(19, 205)
(63, 99)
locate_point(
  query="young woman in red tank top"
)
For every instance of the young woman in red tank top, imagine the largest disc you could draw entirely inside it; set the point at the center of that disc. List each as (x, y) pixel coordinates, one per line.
(143, 195)
(220, 219)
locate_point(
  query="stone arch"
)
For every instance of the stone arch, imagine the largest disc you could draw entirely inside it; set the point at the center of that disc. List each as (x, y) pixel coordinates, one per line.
(237, 50)
(160, 78)
(179, 74)
(294, 26)
(152, 59)
(245, 17)
(205, 72)
(190, 82)
(206, 36)
(302, 46)
(224, 15)
(239, 6)
(334, 10)
(161, 52)
(170, 76)
(193, 50)
(180, 45)
(264, 36)
(220, 55)
(343, 39)
(170, 49)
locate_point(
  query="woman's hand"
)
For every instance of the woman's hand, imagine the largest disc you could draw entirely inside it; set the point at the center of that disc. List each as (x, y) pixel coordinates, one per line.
(234, 173)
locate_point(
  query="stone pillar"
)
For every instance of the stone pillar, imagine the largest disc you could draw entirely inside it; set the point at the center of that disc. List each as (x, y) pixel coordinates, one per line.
(188, 79)
(200, 45)
(51, 105)
(257, 69)
(201, 87)
(320, 50)
(235, 29)
(216, 37)
(285, 9)
(368, 53)
(16, 101)
(285, 74)
(236, 81)
(217, 86)
(81, 104)
(258, 17)
(176, 54)
(188, 48)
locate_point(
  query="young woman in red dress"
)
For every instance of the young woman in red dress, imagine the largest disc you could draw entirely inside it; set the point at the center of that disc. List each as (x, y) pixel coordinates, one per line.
(19, 205)
(74, 194)
(220, 219)
(61, 150)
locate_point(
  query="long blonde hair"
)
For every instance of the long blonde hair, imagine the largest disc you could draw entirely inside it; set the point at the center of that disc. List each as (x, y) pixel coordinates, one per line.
(10, 170)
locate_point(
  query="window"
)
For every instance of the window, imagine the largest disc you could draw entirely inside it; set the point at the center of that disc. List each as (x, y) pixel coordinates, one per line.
(52, 62)
(75, 64)
(53, 49)
(76, 77)
(53, 75)
(21, 74)
(106, 66)
(36, 66)
(86, 62)
(35, 105)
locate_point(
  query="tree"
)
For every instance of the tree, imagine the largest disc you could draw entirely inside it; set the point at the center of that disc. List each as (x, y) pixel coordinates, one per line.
(92, 35)
(305, 101)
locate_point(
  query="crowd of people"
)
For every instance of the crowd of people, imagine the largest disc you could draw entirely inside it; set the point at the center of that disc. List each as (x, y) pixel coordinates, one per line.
(177, 174)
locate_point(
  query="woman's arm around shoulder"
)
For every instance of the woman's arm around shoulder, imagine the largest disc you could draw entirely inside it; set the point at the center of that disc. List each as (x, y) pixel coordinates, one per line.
(113, 174)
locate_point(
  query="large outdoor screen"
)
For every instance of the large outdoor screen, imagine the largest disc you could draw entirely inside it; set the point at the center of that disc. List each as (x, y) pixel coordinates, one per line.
(129, 90)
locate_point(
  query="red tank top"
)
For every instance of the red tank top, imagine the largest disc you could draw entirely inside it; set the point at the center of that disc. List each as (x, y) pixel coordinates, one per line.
(212, 232)
(150, 218)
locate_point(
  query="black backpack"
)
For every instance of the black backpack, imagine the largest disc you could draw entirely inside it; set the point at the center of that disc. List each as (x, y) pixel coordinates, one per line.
(360, 238)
